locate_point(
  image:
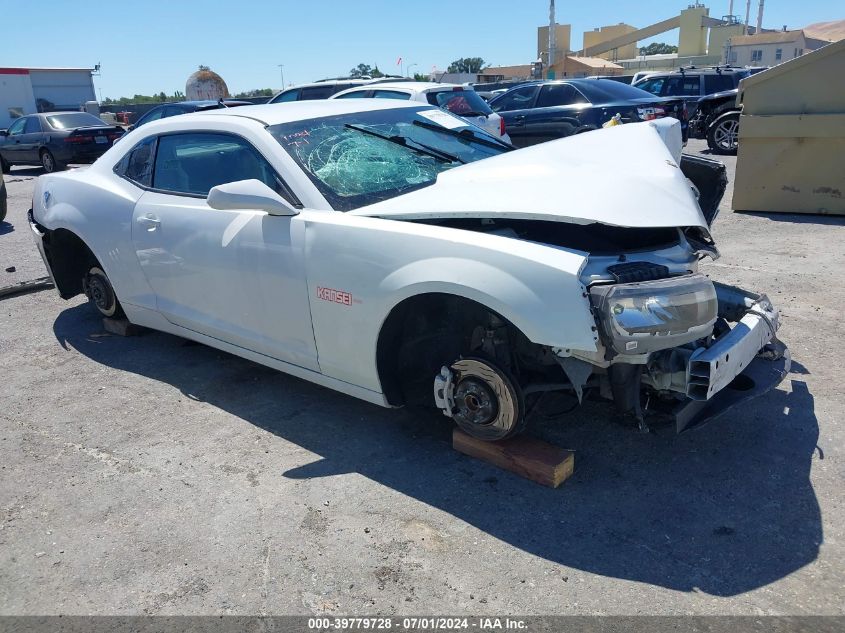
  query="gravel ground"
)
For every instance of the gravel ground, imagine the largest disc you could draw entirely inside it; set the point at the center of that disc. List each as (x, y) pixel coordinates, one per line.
(149, 475)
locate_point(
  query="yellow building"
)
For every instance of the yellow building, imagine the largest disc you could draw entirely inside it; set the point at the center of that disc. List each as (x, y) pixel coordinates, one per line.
(563, 33)
(605, 33)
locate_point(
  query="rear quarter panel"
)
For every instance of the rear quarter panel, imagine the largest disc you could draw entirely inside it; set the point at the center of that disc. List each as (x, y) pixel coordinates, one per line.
(97, 207)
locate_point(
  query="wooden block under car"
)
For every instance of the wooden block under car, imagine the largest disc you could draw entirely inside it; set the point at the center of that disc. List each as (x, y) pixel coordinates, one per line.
(121, 327)
(527, 457)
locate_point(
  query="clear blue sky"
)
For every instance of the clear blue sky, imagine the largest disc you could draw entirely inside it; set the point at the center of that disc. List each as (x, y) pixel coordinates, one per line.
(156, 44)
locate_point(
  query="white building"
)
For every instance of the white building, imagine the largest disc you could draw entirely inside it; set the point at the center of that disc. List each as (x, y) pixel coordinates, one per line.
(29, 90)
(769, 48)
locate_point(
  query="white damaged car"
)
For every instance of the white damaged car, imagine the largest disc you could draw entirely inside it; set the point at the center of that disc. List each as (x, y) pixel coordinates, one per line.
(392, 252)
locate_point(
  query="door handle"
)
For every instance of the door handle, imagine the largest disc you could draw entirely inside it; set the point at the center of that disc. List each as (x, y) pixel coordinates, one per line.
(150, 222)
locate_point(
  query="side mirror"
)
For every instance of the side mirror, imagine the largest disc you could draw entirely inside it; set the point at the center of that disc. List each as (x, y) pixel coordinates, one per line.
(4, 132)
(248, 194)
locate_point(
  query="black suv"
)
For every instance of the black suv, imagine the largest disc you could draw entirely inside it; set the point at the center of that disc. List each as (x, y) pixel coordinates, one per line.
(692, 83)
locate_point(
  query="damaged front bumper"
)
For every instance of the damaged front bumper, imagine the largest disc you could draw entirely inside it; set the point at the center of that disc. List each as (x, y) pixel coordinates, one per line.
(745, 361)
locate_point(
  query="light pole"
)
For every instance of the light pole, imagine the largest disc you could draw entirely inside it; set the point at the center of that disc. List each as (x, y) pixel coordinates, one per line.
(282, 70)
(408, 69)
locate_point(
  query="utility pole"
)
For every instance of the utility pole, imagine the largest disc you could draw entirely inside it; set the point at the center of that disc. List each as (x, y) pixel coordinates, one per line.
(282, 69)
(552, 34)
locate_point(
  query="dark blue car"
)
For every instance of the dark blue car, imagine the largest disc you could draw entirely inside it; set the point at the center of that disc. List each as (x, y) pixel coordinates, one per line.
(183, 107)
(541, 111)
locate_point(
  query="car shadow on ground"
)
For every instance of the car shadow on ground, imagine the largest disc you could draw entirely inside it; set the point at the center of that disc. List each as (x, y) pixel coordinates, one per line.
(6, 227)
(25, 171)
(798, 218)
(723, 509)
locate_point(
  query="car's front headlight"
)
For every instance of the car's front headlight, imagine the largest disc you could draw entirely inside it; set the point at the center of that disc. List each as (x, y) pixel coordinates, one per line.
(637, 318)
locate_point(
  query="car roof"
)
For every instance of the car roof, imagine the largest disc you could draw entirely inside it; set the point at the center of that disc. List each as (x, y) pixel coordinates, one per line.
(721, 70)
(406, 86)
(275, 113)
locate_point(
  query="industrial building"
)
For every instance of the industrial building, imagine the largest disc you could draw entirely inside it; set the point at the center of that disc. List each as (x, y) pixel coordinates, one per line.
(30, 90)
(702, 40)
(770, 49)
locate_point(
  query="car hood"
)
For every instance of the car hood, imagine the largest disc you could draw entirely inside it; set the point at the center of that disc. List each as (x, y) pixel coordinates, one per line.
(620, 176)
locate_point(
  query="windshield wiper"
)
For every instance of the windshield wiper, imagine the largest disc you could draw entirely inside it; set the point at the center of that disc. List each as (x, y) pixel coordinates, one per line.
(465, 133)
(421, 148)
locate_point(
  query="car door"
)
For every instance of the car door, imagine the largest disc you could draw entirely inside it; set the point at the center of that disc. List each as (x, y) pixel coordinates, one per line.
(556, 114)
(237, 276)
(13, 149)
(514, 107)
(31, 139)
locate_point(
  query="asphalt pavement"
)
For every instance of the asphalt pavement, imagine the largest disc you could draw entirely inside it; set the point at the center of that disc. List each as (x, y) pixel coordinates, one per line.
(150, 475)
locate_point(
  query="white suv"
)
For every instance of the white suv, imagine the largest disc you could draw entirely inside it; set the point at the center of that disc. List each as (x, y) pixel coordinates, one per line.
(460, 100)
(324, 89)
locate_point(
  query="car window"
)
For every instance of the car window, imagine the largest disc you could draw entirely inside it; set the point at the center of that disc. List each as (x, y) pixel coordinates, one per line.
(653, 85)
(516, 99)
(193, 163)
(137, 164)
(33, 125)
(358, 94)
(152, 115)
(460, 102)
(317, 92)
(17, 126)
(718, 83)
(559, 95)
(70, 120)
(681, 86)
(391, 94)
(366, 157)
(287, 95)
(169, 111)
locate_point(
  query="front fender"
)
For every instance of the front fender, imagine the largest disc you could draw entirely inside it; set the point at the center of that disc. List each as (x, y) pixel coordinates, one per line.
(550, 312)
(359, 269)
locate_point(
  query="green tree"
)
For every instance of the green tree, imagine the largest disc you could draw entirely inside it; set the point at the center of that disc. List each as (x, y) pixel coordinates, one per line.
(658, 48)
(361, 70)
(258, 92)
(420, 77)
(466, 65)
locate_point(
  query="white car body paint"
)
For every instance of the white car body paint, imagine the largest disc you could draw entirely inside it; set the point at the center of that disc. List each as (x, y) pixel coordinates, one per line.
(621, 176)
(308, 293)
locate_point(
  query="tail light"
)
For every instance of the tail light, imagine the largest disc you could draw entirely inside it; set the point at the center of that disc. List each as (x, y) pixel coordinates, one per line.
(82, 138)
(649, 114)
(501, 126)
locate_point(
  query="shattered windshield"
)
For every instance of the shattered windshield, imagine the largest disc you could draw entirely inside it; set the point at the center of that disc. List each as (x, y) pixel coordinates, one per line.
(366, 157)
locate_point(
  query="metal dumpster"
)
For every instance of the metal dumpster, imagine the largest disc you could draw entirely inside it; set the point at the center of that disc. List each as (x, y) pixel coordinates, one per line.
(792, 136)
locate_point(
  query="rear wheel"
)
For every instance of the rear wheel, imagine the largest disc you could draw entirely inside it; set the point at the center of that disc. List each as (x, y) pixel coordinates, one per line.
(486, 402)
(100, 292)
(49, 162)
(723, 134)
